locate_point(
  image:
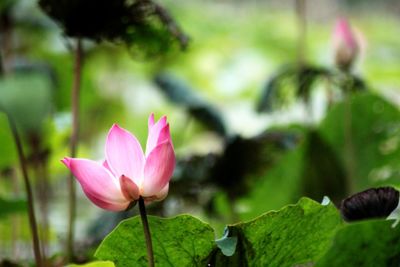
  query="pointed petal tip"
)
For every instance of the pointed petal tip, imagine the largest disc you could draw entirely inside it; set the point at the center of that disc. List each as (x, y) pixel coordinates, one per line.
(151, 120)
(163, 119)
(116, 129)
(115, 126)
(66, 161)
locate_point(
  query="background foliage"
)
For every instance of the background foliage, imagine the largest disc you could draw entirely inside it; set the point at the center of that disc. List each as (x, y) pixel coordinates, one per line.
(242, 153)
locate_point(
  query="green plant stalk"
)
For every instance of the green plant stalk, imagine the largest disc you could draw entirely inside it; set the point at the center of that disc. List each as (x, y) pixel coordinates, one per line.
(348, 136)
(146, 230)
(1, 64)
(43, 189)
(15, 219)
(28, 189)
(302, 34)
(74, 145)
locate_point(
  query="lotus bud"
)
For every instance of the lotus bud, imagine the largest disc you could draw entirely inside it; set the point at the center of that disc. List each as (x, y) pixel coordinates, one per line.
(345, 45)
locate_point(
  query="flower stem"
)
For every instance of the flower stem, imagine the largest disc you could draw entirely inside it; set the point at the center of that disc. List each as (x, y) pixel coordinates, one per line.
(73, 146)
(302, 28)
(28, 188)
(350, 162)
(146, 231)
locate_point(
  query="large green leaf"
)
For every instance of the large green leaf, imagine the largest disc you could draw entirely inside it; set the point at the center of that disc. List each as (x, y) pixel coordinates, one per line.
(95, 264)
(372, 141)
(179, 241)
(317, 166)
(279, 186)
(367, 243)
(311, 169)
(296, 234)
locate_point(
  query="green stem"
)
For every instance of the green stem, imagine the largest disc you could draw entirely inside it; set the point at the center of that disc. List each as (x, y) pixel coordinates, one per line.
(348, 136)
(146, 231)
(1, 65)
(73, 146)
(302, 24)
(28, 188)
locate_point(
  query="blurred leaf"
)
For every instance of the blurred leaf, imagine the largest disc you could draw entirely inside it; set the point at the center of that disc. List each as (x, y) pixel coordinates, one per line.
(307, 76)
(269, 96)
(367, 243)
(11, 206)
(236, 171)
(316, 167)
(276, 92)
(5, 5)
(375, 139)
(95, 264)
(195, 167)
(296, 234)
(323, 173)
(8, 263)
(181, 94)
(279, 186)
(243, 157)
(140, 24)
(178, 241)
(358, 84)
(27, 98)
(310, 169)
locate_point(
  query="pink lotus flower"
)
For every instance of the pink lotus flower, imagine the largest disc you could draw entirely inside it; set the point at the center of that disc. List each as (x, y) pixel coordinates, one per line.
(128, 173)
(345, 44)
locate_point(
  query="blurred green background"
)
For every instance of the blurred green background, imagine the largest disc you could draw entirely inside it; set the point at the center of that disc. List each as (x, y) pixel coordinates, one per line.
(234, 162)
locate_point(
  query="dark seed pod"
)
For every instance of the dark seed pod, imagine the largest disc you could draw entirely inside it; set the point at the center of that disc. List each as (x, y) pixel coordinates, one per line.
(371, 203)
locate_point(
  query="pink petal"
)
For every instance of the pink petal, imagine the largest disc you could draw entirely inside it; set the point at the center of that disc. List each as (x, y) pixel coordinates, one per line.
(151, 121)
(159, 197)
(344, 34)
(107, 205)
(124, 154)
(129, 189)
(66, 162)
(163, 193)
(158, 133)
(158, 170)
(105, 165)
(97, 183)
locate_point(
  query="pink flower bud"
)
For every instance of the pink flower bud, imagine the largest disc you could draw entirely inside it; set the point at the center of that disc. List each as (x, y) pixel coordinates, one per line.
(345, 45)
(128, 173)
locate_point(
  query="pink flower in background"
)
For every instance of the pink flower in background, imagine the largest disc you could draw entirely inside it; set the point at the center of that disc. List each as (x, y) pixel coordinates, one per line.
(128, 173)
(345, 44)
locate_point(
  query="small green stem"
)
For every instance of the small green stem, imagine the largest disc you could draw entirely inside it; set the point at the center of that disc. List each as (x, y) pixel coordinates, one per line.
(302, 26)
(28, 188)
(74, 145)
(146, 231)
(348, 136)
